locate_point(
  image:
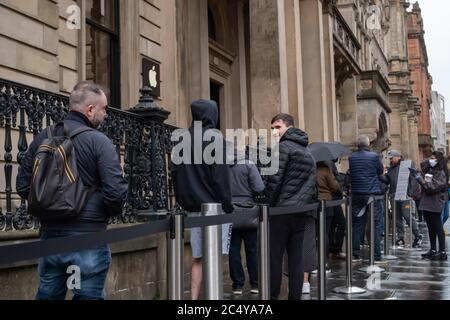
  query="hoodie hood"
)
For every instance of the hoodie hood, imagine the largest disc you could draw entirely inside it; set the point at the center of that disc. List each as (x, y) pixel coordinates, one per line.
(205, 111)
(235, 156)
(296, 135)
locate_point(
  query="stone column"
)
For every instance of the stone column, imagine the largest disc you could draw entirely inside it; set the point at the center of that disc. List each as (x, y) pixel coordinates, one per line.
(405, 138)
(414, 138)
(330, 81)
(130, 58)
(268, 61)
(193, 54)
(314, 70)
(348, 113)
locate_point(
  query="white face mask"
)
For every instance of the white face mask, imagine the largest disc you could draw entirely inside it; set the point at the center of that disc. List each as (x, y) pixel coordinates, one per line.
(433, 162)
(276, 135)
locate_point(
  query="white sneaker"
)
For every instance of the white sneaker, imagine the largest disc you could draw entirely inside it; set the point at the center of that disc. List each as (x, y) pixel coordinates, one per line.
(306, 288)
(327, 271)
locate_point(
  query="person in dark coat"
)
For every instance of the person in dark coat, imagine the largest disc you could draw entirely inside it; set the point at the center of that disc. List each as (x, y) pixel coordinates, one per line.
(434, 196)
(293, 185)
(403, 212)
(337, 228)
(365, 170)
(196, 181)
(246, 183)
(98, 165)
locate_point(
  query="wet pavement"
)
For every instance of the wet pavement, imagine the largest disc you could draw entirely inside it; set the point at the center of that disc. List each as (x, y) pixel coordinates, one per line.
(408, 278)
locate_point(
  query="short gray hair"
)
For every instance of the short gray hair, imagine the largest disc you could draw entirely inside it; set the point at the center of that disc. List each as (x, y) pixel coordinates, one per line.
(363, 141)
(82, 93)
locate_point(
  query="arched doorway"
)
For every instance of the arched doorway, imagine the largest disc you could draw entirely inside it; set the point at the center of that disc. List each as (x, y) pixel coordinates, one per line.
(227, 61)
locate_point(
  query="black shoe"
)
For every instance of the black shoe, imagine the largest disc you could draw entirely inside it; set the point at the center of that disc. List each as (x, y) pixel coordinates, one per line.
(435, 256)
(443, 256)
(428, 254)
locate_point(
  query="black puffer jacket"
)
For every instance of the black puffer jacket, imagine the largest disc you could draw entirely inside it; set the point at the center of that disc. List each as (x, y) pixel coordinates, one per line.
(295, 182)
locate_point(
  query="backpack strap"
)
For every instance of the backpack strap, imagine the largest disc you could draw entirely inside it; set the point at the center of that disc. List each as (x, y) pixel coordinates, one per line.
(76, 132)
(50, 131)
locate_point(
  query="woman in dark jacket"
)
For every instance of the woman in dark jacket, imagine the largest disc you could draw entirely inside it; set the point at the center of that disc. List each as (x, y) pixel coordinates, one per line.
(434, 197)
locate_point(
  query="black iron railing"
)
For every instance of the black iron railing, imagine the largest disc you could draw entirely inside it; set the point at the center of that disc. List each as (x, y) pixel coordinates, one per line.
(141, 137)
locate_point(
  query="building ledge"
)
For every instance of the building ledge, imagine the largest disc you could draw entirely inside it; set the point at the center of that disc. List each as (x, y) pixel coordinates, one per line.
(374, 86)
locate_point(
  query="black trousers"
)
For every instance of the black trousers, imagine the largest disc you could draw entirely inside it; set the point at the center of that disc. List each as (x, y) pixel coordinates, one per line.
(435, 229)
(337, 230)
(286, 234)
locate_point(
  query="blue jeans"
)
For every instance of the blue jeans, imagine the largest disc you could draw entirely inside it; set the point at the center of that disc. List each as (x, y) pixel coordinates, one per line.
(359, 223)
(249, 236)
(58, 272)
(445, 213)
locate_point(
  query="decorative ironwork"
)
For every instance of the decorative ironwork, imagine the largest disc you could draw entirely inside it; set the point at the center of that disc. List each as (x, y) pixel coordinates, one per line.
(141, 138)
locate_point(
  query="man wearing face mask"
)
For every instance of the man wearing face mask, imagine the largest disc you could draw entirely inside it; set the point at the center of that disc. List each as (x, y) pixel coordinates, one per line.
(99, 169)
(293, 185)
(403, 212)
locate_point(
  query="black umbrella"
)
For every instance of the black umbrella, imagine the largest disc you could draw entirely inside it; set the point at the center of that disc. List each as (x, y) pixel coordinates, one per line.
(326, 151)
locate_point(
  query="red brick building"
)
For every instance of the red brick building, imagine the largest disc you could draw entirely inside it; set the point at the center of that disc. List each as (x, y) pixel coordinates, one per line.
(420, 78)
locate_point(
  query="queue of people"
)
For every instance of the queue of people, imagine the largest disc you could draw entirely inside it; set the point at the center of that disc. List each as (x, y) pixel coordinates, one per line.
(300, 180)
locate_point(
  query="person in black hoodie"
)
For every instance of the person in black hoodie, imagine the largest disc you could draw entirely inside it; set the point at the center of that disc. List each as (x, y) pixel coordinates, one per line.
(293, 185)
(197, 182)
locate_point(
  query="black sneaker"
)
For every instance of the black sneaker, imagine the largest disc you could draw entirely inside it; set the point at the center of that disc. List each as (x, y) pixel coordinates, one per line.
(435, 256)
(400, 243)
(443, 256)
(428, 254)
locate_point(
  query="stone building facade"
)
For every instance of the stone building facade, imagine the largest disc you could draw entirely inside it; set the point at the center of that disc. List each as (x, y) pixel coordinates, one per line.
(340, 67)
(420, 78)
(437, 118)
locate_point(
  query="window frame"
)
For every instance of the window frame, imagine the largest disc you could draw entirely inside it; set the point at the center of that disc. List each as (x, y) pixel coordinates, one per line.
(115, 63)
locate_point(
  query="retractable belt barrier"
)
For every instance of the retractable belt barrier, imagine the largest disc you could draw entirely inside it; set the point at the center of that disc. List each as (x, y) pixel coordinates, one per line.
(42, 248)
(174, 226)
(13, 253)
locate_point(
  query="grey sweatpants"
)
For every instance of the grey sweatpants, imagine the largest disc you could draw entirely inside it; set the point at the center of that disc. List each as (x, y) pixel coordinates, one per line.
(403, 212)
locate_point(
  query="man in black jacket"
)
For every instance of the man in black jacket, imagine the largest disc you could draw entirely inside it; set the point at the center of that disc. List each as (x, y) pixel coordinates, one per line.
(402, 207)
(197, 182)
(98, 165)
(293, 185)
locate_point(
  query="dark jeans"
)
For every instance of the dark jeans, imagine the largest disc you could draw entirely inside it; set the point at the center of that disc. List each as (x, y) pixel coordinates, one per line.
(337, 231)
(250, 238)
(435, 229)
(286, 233)
(359, 223)
(57, 272)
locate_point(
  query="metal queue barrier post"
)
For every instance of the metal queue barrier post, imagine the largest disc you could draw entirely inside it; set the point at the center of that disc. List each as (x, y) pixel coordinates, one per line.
(410, 247)
(212, 254)
(394, 223)
(321, 274)
(175, 257)
(372, 268)
(387, 255)
(349, 288)
(263, 250)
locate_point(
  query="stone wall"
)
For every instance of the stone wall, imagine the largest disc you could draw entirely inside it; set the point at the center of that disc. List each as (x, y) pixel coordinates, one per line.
(137, 272)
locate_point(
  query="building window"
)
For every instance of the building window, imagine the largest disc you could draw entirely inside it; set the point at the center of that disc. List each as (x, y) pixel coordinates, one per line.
(103, 47)
(211, 25)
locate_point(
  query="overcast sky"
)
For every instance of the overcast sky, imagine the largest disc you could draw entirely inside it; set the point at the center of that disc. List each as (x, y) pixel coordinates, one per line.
(436, 15)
